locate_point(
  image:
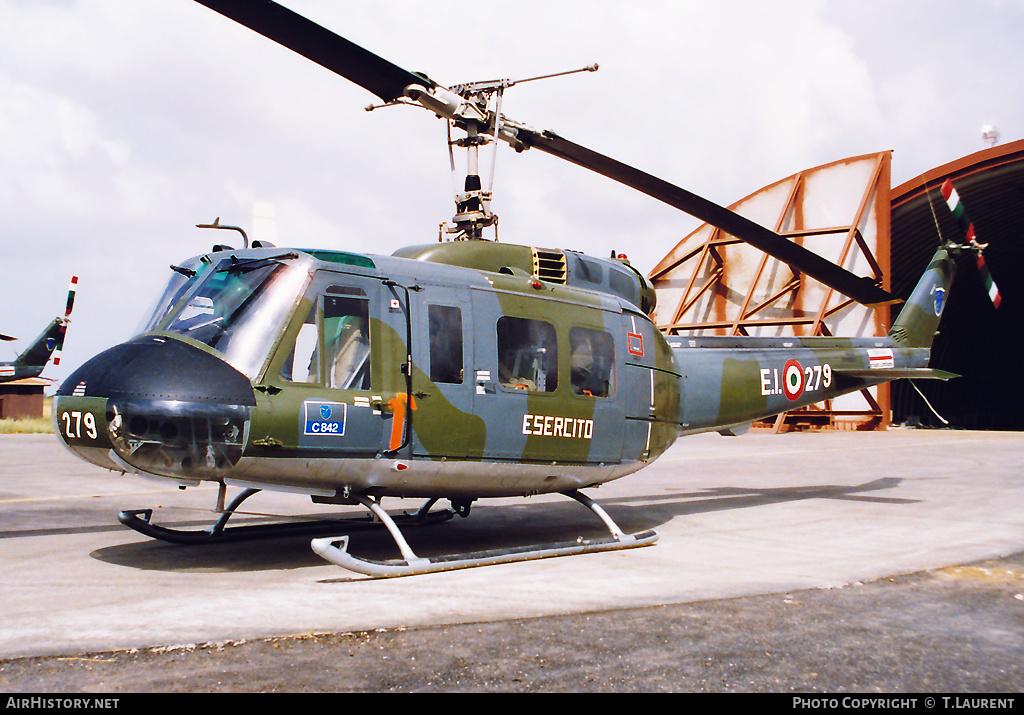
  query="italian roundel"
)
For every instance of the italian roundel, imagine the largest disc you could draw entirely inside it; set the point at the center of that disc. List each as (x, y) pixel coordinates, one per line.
(793, 379)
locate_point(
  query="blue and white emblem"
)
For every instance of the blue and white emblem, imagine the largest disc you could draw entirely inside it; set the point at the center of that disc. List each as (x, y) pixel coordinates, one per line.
(324, 418)
(939, 298)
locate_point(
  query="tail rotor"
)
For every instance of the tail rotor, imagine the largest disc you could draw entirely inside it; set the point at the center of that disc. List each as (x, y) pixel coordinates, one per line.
(949, 193)
(72, 289)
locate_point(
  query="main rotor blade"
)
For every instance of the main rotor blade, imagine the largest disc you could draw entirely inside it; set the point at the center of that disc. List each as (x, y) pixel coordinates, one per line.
(861, 289)
(320, 45)
(388, 81)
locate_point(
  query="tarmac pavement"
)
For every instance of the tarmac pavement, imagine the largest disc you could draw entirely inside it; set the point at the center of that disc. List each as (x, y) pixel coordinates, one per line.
(784, 562)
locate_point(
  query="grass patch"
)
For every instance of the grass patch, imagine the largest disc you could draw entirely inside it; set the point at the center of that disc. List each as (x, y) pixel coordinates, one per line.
(34, 425)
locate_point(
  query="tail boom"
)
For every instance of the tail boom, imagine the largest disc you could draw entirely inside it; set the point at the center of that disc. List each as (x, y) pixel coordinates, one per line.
(737, 380)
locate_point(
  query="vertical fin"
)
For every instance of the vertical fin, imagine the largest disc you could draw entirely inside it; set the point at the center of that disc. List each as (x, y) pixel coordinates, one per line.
(50, 341)
(916, 324)
(38, 353)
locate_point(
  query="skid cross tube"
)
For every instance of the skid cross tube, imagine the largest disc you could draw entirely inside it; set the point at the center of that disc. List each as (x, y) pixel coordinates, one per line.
(335, 549)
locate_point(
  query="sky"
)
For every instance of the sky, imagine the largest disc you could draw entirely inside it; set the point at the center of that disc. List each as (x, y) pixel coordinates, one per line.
(124, 123)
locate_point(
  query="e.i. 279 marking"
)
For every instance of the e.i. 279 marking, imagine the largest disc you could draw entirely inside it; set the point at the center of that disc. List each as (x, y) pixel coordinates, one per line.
(795, 379)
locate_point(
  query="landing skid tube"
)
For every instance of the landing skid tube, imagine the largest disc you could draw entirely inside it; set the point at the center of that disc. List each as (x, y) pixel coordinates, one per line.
(335, 549)
(141, 521)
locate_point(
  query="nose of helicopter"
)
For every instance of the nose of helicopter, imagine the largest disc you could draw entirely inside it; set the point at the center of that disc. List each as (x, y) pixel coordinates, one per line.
(156, 405)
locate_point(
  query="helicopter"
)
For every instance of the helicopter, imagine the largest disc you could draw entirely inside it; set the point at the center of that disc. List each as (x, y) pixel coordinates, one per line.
(32, 360)
(456, 370)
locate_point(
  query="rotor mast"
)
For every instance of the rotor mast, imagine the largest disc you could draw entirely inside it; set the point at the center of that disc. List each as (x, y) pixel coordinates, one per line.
(473, 205)
(475, 108)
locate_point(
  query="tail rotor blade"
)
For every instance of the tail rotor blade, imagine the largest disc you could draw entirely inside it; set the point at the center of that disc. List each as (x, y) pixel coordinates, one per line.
(72, 289)
(60, 343)
(956, 207)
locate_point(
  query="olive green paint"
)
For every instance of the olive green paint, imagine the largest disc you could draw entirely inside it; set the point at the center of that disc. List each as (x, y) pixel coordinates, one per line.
(741, 399)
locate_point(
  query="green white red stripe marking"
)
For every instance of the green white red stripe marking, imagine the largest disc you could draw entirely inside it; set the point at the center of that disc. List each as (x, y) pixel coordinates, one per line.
(72, 288)
(956, 207)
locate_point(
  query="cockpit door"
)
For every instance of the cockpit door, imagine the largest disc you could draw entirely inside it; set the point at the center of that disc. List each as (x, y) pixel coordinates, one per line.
(326, 395)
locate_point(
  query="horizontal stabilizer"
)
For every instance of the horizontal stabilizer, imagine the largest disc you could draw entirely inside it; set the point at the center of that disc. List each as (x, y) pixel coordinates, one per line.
(895, 373)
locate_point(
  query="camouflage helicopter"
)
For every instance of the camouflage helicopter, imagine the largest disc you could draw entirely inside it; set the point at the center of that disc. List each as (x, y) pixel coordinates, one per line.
(457, 370)
(31, 361)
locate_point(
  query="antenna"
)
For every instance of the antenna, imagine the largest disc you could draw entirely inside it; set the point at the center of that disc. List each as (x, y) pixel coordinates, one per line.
(217, 224)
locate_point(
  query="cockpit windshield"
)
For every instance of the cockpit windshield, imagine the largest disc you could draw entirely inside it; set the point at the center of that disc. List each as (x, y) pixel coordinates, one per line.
(236, 306)
(183, 279)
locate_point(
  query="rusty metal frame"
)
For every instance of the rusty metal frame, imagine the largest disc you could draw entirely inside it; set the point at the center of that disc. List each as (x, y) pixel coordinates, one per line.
(707, 261)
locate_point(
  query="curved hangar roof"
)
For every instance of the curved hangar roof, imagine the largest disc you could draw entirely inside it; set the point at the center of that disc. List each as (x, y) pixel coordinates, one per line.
(976, 340)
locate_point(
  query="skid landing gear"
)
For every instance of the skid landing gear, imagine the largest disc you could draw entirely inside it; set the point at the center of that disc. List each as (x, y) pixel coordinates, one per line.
(335, 549)
(141, 521)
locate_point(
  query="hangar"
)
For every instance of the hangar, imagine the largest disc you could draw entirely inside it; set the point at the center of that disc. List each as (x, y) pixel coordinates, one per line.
(977, 340)
(712, 284)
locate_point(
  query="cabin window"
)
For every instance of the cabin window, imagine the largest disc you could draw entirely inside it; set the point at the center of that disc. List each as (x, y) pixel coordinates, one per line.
(527, 354)
(338, 355)
(445, 333)
(592, 357)
(347, 342)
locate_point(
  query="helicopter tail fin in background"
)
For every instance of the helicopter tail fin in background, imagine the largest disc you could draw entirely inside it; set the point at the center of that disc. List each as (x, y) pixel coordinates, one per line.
(49, 343)
(916, 324)
(38, 353)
